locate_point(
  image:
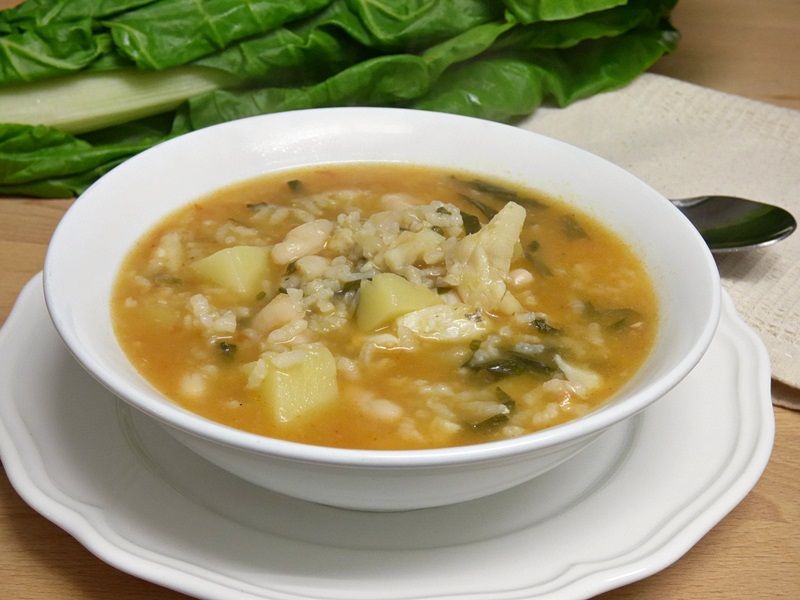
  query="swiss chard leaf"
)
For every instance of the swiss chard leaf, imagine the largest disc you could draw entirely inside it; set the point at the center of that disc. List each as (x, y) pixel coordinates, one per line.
(599, 65)
(498, 419)
(313, 53)
(43, 12)
(506, 87)
(568, 33)
(49, 51)
(385, 80)
(462, 47)
(529, 250)
(417, 24)
(286, 57)
(43, 161)
(471, 223)
(530, 11)
(60, 186)
(497, 88)
(168, 33)
(317, 48)
(510, 363)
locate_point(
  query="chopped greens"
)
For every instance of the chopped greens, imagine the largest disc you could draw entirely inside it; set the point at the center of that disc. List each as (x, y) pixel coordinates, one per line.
(505, 399)
(227, 349)
(510, 363)
(499, 418)
(491, 422)
(471, 223)
(529, 250)
(492, 189)
(487, 210)
(542, 326)
(612, 318)
(572, 229)
(501, 194)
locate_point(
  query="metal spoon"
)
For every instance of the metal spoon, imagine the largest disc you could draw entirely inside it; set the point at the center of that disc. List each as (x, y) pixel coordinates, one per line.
(730, 224)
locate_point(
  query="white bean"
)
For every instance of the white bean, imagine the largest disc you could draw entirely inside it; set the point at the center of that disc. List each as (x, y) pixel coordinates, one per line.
(303, 240)
(282, 309)
(312, 266)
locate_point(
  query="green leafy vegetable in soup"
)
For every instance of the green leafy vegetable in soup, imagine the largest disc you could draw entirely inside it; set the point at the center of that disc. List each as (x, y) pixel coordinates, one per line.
(384, 306)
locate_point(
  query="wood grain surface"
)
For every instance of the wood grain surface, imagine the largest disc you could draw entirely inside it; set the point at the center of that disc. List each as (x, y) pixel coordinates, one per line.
(743, 47)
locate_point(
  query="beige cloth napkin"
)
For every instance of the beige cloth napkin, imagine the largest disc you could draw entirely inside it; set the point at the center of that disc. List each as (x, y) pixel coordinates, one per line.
(686, 140)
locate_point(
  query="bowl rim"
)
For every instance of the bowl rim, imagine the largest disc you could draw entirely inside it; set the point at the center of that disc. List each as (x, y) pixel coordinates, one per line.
(173, 415)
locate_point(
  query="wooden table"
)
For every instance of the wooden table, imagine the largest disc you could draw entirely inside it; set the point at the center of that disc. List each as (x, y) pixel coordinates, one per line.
(737, 46)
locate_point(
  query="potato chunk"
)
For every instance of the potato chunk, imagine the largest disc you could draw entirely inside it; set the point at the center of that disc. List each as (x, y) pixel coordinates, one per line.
(389, 296)
(299, 382)
(240, 269)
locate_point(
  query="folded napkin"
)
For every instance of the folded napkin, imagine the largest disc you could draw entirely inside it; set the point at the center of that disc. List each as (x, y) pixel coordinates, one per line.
(686, 140)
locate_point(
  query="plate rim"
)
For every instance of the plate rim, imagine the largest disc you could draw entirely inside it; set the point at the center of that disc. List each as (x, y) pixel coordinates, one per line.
(33, 484)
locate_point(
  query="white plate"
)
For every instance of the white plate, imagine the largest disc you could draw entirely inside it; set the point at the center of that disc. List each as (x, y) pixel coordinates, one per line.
(635, 502)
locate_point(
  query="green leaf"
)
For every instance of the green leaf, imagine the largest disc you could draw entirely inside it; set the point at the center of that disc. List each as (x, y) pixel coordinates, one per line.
(385, 80)
(43, 12)
(530, 11)
(418, 23)
(339, 15)
(496, 88)
(61, 186)
(48, 51)
(463, 46)
(316, 49)
(292, 54)
(285, 58)
(606, 23)
(507, 87)
(168, 33)
(599, 65)
(43, 161)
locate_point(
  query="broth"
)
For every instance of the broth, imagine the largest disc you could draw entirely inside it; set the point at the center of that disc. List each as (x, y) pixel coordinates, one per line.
(385, 307)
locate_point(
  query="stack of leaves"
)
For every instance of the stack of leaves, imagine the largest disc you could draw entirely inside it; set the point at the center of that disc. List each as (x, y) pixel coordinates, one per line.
(85, 84)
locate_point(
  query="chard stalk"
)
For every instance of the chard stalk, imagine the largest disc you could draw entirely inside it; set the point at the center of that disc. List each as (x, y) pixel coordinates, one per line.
(93, 100)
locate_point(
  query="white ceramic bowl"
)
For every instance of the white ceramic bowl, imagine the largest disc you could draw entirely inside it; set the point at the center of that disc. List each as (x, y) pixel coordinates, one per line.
(104, 223)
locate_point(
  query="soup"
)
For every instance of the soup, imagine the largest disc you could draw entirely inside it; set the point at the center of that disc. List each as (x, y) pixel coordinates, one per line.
(384, 307)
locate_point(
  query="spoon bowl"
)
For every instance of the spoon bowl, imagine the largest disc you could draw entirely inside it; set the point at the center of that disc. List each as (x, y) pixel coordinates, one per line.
(730, 224)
